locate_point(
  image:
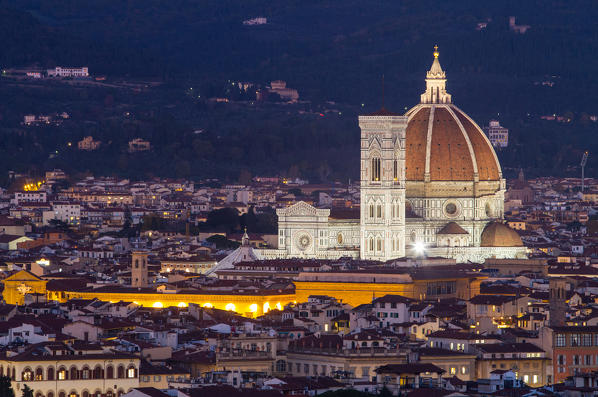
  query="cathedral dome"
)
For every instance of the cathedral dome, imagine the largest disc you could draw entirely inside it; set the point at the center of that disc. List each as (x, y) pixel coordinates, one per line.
(496, 234)
(442, 142)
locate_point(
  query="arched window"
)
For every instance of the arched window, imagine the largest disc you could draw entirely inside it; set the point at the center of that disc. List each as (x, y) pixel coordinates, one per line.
(97, 393)
(379, 212)
(85, 393)
(74, 373)
(39, 394)
(120, 373)
(27, 375)
(379, 244)
(62, 394)
(131, 372)
(85, 372)
(50, 373)
(375, 169)
(109, 393)
(109, 372)
(395, 170)
(39, 373)
(371, 244)
(120, 392)
(97, 372)
(62, 374)
(136, 263)
(50, 394)
(371, 210)
(281, 366)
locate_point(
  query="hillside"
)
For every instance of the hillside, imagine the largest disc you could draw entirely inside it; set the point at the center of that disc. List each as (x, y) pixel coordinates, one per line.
(329, 51)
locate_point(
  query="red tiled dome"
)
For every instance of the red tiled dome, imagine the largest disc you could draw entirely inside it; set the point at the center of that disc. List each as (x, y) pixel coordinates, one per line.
(457, 147)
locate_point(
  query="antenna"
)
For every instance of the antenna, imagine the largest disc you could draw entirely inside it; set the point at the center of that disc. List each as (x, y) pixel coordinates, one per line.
(584, 160)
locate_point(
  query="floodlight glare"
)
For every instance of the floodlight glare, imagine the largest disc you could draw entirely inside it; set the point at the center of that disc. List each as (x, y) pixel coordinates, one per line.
(419, 247)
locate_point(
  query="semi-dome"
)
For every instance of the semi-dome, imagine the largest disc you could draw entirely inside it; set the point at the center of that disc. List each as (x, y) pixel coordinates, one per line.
(442, 142)
(497, 234)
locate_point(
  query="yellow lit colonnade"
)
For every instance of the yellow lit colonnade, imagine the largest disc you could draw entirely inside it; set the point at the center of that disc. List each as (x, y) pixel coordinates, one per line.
(352, 287)
(246, 305)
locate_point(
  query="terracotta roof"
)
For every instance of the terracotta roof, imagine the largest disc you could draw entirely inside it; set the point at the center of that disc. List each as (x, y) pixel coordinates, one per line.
(382, 112)
(344, 213)
(415, 368)
(509, 348)
(452, 228)
(452, 133)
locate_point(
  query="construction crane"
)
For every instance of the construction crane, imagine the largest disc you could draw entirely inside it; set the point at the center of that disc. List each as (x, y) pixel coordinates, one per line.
(584, 160)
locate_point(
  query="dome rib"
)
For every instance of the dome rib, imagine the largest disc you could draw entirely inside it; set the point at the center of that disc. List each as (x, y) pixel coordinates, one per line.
(488, 165)
(474, 161)
(429, 142)
(415, 144)
(450, 159)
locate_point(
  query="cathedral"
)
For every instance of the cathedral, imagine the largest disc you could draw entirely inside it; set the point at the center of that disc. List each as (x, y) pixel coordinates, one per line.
(431, 185)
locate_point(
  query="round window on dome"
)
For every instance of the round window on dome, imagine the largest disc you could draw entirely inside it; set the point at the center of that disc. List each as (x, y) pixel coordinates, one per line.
(450, 209)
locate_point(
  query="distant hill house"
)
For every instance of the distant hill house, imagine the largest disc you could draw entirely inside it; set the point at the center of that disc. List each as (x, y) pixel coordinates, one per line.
(88, 143)
(139, 145)
(280, 87)
(60, 71)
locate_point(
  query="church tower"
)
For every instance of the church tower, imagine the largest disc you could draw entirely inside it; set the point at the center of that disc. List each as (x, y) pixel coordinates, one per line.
(382, 218)
(139, 269)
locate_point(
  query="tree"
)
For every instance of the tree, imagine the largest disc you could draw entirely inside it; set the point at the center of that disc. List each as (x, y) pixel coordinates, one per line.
(27, 392)
(224, 218)
(222, 242)
(385, 392)
(6, 387)
(245, 177)
(296, 191)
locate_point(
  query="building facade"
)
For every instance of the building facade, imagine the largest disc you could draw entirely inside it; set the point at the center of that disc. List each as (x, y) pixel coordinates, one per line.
(497, 134)
(54, 370)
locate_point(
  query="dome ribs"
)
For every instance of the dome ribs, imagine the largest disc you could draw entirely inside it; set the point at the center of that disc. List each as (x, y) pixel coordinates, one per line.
(488, 168)
(415, 153)
(449, 156)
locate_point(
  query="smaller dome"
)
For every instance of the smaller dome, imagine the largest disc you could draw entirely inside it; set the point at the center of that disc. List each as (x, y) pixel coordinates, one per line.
(496, 234)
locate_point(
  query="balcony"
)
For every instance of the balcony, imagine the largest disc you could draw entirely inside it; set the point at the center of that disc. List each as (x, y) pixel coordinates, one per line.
(362, 352)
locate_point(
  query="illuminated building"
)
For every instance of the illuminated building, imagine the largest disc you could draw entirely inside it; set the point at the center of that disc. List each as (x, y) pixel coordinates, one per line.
(361, 286)
(430, 180)
(53, 369)
(20, 284)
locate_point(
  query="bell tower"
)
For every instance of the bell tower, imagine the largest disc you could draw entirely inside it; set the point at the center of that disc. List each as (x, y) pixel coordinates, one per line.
(139, 269)
(382, 217)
